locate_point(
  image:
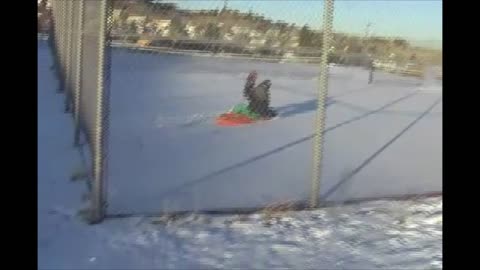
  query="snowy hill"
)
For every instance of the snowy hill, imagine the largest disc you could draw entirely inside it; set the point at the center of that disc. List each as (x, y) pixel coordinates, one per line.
(374, 235)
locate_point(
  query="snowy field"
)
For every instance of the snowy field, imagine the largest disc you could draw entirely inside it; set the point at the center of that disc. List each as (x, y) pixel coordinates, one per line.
(166, 153)
(391, 143)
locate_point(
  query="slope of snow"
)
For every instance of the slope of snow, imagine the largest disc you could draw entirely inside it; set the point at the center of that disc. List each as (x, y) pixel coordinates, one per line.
(166, 154)
(374, 235)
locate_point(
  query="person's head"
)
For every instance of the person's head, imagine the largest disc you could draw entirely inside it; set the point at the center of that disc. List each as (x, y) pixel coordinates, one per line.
(252, 76)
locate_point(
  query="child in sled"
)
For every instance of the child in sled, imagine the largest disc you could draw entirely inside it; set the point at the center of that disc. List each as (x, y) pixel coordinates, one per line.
(258, 97)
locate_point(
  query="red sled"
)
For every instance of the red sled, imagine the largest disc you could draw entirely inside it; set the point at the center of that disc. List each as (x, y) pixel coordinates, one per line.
(233, 119)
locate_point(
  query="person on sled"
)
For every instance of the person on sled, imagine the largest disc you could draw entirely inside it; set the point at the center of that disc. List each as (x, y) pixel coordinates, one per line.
(258, 97)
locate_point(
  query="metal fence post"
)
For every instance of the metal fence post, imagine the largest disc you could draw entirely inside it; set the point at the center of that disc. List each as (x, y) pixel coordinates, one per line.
(322, 97)
(101, 126)
(55, 42)
(68, 56)
(78, 74)
(62, 45)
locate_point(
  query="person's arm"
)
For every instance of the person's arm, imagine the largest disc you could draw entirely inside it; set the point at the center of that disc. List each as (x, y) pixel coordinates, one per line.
(249, 85)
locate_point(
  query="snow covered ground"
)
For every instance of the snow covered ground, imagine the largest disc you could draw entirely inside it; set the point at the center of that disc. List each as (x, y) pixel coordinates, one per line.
(380, 234)
(166, 153)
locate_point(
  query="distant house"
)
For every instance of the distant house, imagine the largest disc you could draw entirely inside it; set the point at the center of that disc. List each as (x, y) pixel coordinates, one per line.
(258, 41)
(191, 30)
(116, 14)
(240, 29)
(228, 37)
(138, 19)
(160, 25)
(164, 33)
(255, 34)
(273, 32)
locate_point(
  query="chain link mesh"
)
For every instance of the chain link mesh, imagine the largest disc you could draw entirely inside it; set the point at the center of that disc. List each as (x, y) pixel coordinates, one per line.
(68, 54)
(78, 72)
(100, 128)
(154, 88)
(102, 116)
(62, 45)
(81, 41)
(58, 36)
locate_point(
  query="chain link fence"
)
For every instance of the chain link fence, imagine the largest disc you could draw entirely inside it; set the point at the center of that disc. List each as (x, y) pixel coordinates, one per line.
(79, 36)
(146, 80)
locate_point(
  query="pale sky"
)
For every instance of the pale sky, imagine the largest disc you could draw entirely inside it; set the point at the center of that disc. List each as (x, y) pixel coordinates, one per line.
(417, 20)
